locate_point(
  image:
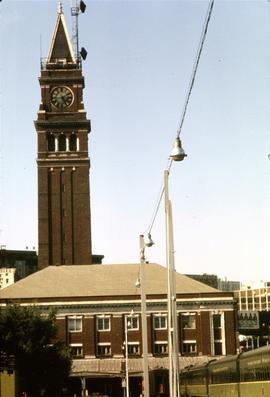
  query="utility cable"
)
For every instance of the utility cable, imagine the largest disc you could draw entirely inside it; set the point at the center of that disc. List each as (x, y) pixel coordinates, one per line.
(184, 111)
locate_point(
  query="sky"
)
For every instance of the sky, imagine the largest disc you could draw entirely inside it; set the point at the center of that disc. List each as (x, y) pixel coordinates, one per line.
(137, 73)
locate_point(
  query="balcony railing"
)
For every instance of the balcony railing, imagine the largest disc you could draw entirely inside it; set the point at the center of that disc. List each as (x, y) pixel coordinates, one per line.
(60, 63)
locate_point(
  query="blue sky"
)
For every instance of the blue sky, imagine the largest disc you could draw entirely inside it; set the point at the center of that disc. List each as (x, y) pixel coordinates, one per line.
(140, 58)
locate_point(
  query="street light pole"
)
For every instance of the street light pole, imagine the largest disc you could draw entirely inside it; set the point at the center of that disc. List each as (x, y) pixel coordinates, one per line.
(172, 314)
(145, 390)
(177, 154)
(126, 353)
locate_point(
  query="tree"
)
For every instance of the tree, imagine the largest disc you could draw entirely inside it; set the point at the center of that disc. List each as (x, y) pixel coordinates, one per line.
(42, 362)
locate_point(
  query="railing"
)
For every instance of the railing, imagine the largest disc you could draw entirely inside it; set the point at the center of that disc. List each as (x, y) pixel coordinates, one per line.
(60, 63)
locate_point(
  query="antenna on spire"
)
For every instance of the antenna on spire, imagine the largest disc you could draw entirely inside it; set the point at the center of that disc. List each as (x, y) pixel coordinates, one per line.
(60, 7)
(75, 11)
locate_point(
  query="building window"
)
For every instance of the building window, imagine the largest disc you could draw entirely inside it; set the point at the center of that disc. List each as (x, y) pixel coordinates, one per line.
(160, 347)
(189, 347)
(76, 350)
(103, 323)
(62, 143)
(216, 321)
(160, 321)
(218, 341)
(75, 324)
(104, 349)
(133, 349)
(188, 321)
(132, 323)
(218, 348)
(51, 143)
(73, 143)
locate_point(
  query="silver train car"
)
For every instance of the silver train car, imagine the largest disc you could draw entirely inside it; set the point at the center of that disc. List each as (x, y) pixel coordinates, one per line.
(243, 375)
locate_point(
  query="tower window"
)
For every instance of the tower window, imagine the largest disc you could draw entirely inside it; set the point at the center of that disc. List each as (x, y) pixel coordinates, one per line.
(73, 143)
(51, 143)
(62, 143)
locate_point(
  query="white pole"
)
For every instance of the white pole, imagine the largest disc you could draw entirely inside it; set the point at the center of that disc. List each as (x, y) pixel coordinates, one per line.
(126, 350)
(145, 391)
(172, 314)
(175, 338)
(169, 325)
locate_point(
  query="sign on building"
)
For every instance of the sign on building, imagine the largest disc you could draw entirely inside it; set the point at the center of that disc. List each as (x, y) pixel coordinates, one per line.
(248, 320)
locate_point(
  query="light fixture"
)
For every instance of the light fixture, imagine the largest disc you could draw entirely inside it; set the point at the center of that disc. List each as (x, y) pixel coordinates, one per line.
(149, 242)
(178, 153)
(138, 283)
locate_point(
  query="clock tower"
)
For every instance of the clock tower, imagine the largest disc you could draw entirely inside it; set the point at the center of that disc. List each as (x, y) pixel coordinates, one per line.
(64, 226)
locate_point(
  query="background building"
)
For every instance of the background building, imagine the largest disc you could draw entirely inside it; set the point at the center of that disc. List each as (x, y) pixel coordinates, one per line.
(7, 276)
(213, 281)
(253, 316)
(23, 261)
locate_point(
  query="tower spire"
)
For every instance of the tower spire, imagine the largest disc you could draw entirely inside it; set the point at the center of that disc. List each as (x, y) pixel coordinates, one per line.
(61, 47)
(60, 7)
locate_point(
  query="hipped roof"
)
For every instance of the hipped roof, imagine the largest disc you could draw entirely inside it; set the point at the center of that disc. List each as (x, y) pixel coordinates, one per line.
(98, 281)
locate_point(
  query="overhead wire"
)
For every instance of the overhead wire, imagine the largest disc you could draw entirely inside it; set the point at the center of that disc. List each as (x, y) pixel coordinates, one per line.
(184, 111)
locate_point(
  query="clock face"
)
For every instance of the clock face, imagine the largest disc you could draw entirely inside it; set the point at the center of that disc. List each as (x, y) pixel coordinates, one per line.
(61, 97)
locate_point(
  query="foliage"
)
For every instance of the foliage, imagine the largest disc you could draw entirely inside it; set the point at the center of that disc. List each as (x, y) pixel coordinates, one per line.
(42, 362)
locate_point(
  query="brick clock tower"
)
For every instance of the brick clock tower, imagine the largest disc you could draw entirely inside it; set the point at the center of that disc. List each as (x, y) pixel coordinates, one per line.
(64, 226)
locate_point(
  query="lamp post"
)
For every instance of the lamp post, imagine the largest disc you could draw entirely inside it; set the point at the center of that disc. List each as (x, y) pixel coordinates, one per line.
(127, 326)
(145, 390)
(177, 154)
(126, 354)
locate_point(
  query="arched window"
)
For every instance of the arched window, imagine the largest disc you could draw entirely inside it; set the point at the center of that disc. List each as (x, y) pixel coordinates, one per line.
(51, 142)
(62, 143)
(73, 143)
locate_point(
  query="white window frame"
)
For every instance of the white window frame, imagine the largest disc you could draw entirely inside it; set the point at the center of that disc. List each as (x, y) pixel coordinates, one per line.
(223, 336)
(75, 318)
(104, 345)
(135, 345)
(74, 346)
(129, 321)
(189, 342)
(159, 316)
(189, 315)
(159, 343)
(107, 317)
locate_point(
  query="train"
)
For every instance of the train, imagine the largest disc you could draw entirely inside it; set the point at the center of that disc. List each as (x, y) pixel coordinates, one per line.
(243, 375)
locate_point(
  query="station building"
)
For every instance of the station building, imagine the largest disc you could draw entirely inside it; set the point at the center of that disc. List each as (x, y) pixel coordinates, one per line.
(92, 302)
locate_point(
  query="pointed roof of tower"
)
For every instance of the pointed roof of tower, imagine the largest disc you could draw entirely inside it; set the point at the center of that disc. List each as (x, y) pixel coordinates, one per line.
(61, 47)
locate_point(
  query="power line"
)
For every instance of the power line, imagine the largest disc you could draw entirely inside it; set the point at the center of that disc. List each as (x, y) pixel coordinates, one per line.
(184, 111)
